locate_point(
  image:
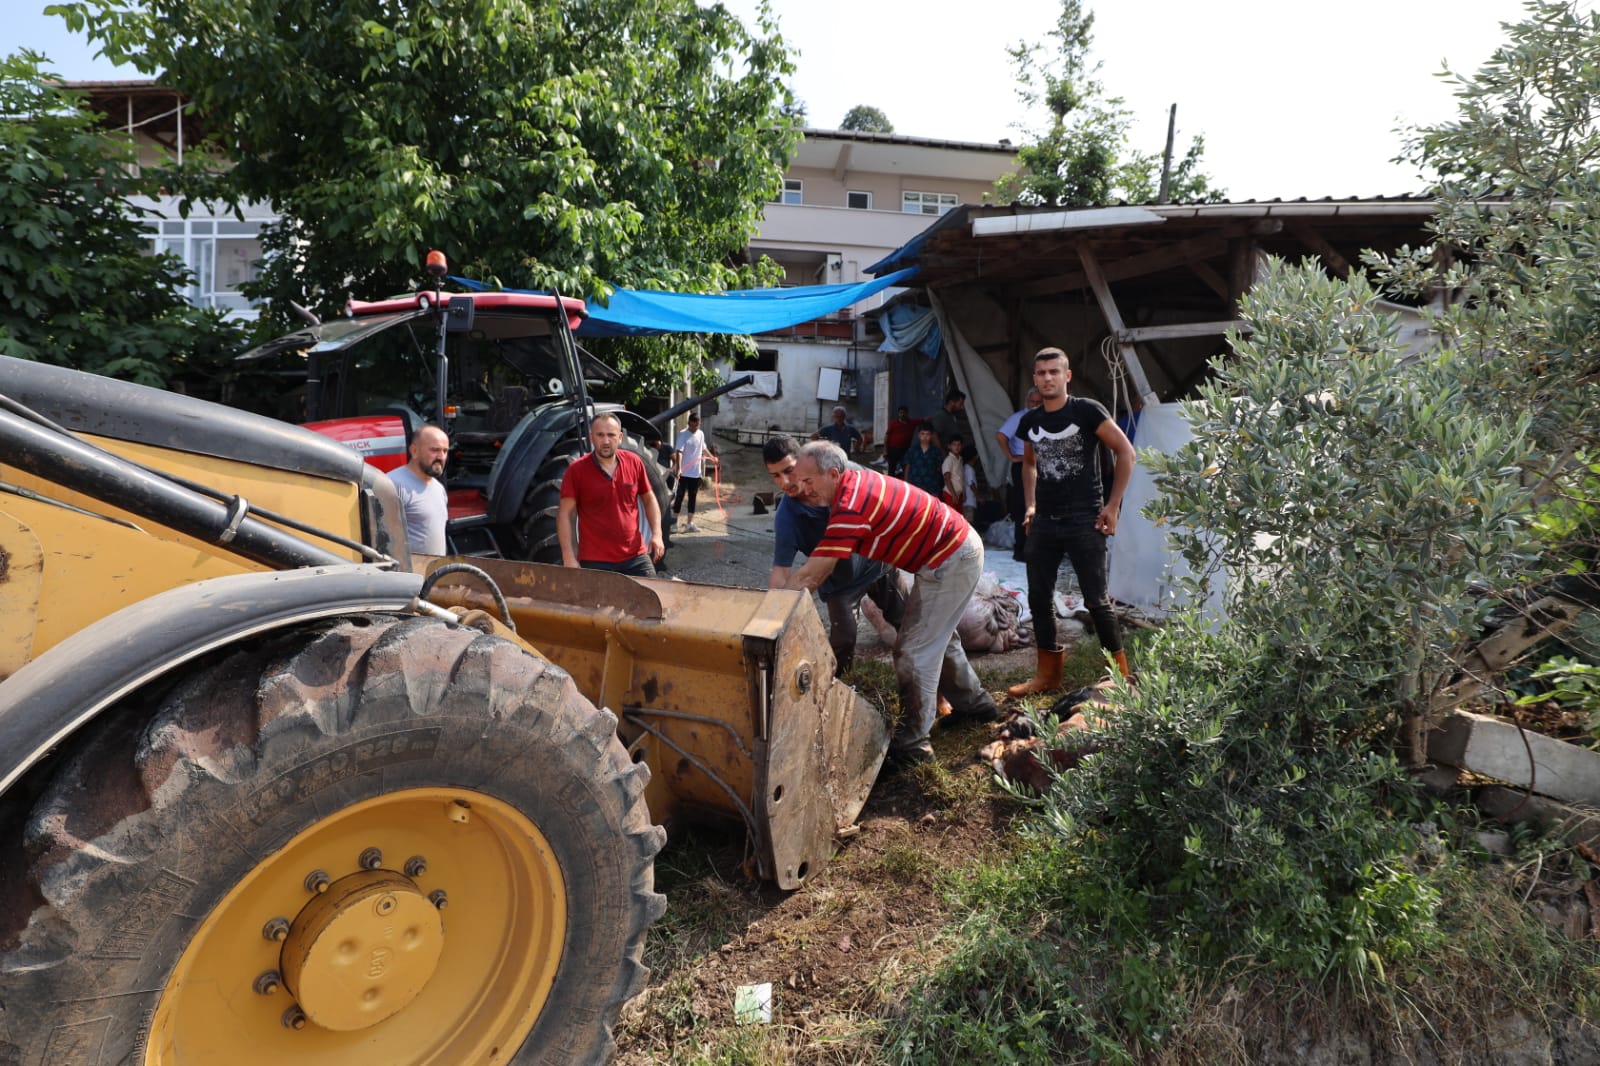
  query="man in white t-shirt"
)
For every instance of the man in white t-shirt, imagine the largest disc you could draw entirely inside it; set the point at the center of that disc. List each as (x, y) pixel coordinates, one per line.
(421, 492)
(688, 459)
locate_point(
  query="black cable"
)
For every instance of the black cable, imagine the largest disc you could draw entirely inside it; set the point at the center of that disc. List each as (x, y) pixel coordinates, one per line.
(465, 568)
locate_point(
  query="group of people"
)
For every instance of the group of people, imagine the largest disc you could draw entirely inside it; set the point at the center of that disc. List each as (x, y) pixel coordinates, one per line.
(840, 515)
(931, 454)
(859, 529)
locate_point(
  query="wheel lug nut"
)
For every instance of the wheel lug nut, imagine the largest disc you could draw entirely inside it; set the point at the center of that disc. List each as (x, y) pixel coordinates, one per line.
(267, 983)
(416, 866)
(438, 898)
(294, 1018)
(370, 859)
(277, 929)
(317, 881)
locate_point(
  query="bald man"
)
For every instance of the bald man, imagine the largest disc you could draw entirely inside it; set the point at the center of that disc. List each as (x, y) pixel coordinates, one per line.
(421, 492)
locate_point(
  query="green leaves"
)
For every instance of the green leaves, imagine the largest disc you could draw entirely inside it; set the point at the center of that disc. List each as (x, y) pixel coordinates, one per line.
(547, 144)
(77, 285)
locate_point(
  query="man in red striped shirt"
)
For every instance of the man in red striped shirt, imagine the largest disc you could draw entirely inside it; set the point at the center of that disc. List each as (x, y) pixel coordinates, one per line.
(894, 522)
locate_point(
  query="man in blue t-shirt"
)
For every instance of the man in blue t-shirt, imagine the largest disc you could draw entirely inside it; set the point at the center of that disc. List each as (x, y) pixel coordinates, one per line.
(797, 528)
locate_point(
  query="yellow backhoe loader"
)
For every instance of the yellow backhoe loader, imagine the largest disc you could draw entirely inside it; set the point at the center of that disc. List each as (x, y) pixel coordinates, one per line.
(271, 791)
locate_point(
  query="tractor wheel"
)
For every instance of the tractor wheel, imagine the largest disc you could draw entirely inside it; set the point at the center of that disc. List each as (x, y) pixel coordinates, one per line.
(381, 839)
(536, 518)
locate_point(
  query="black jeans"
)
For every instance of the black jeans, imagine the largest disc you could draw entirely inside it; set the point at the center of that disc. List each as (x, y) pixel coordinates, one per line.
(691, 486)
(638, 566)
(896, 458)
(842, 628)
(1075, 539)
(1018, 509)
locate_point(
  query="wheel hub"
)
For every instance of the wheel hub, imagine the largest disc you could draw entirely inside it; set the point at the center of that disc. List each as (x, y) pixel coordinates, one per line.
(361, 951)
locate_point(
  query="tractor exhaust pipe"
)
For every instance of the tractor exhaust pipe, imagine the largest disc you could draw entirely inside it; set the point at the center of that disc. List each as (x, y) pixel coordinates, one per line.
(695, 401)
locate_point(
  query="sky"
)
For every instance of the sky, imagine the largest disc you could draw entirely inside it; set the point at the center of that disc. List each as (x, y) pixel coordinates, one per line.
(1293, 98)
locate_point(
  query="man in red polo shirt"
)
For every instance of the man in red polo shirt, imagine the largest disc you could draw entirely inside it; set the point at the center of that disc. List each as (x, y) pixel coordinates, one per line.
(892, 521)
(601, 497)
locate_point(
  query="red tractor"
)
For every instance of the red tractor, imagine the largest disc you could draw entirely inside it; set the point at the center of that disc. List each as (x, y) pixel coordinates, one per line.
(504, 376)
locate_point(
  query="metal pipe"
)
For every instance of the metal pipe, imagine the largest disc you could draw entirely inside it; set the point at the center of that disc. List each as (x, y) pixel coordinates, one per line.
(81, 467)
(695, 401)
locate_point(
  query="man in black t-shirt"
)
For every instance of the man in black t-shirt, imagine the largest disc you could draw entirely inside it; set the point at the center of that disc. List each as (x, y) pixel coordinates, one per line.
(1066, 513)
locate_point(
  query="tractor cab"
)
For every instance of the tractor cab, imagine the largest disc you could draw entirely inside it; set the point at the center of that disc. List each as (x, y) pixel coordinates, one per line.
(500, 372)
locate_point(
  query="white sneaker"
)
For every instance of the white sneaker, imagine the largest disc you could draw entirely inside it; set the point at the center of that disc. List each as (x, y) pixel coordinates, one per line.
(691, 528)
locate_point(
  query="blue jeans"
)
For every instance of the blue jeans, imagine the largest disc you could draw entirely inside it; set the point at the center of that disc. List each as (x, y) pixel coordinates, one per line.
(1073, 538)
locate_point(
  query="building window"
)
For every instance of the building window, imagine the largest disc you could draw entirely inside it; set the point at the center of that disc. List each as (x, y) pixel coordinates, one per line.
(861, 201)
(793, 192)
(927, 203)
(221, 256)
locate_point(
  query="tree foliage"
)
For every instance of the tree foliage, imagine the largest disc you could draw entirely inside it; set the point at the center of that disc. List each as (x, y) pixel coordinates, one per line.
(1081, 155)
(77, 285)
(543, 143)
(864, 118)
(1362, 508)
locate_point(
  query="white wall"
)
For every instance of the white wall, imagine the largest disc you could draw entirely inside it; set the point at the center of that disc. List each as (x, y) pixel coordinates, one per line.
(798, 410)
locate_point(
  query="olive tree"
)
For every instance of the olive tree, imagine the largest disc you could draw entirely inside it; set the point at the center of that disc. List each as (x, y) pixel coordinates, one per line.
(1366, 507)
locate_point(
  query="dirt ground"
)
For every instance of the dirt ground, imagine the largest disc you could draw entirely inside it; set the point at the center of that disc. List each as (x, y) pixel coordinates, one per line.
(840, 953)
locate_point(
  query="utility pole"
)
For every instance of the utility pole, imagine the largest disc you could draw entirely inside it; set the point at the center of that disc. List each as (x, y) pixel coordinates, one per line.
(1166, 157)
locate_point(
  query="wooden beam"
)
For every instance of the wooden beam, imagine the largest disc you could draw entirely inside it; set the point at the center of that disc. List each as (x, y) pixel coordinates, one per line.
(1241, 268)
(1113, 317)
(1177, 329)
(1184, 253)
(1213, 281)
(1319, 244)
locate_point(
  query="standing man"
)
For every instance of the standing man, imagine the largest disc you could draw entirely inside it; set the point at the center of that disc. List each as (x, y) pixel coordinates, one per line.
(1065, 513)
(422, 494)
(893, 522)
(797, 528)
(688, 459)
(944, 421)
(602, 495)
(1012, 442)
(925, 462)
(841, 432)
(897, 440)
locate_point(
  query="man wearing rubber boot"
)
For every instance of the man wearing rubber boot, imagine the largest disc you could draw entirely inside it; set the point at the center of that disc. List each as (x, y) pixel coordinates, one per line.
(1064, 513)
(894, 522)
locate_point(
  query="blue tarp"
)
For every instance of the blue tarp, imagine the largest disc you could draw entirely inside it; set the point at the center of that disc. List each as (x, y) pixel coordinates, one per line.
(638, 313)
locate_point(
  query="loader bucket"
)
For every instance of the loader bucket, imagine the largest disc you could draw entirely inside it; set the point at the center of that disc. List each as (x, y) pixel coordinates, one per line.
(727, 694)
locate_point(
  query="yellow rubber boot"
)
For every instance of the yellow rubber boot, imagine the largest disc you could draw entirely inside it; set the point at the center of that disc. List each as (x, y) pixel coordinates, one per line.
(1046, 676)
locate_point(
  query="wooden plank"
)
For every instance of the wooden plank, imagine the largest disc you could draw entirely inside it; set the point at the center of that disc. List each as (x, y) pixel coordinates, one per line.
(1214, 281)
(1179, 329)
(1496, 748)
(1113, 317)
(1319, 244)
(1185, 253)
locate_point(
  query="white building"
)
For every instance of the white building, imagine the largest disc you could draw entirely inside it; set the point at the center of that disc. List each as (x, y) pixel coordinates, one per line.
(849, 199)
(221, 251)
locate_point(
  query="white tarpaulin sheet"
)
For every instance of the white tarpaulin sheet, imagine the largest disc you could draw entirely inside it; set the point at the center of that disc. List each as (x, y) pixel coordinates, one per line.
(1145, 567)
(763, 383)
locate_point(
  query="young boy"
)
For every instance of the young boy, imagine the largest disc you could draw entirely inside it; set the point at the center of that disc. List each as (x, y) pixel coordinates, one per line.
(923, 463)
(956, 476)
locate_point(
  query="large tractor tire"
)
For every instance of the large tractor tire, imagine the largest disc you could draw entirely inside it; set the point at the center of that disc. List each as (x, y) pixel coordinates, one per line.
(536, 518)
(378, 840)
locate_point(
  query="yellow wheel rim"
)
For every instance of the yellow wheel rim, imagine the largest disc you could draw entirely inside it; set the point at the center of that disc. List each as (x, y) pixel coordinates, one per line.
(420, 927)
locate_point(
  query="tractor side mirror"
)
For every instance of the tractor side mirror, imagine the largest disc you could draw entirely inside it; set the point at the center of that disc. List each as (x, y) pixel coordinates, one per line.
(458, 314)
